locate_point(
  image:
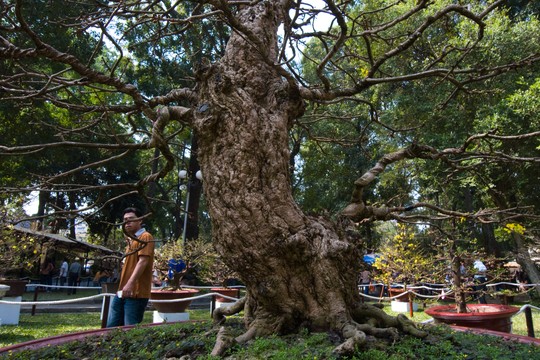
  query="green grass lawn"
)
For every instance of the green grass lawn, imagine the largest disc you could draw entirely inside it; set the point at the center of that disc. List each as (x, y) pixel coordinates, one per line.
(44, 325)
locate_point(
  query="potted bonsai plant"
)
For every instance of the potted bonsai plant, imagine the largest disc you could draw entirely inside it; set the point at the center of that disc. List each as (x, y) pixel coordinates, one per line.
(219, 275)
(178, 261)
(495, 317)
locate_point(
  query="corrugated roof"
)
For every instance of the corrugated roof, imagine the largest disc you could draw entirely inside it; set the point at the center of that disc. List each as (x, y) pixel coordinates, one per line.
(64, 240)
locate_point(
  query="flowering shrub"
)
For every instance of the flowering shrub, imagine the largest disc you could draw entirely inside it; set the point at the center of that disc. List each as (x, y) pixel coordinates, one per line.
(402, 259)
(18, 253)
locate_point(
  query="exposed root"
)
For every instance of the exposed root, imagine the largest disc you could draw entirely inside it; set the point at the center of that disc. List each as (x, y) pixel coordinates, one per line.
(224, 341)
(354, 338)
(219, 314)
(364, 312)
(248, 335)
(368, 322)
(386, 333)
(409, 327)
(373, 321)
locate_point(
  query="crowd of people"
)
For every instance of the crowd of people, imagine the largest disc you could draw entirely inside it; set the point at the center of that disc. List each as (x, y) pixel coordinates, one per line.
(71, 273)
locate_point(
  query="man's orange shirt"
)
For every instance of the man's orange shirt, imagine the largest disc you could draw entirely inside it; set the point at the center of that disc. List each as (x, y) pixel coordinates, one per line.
(144, 284)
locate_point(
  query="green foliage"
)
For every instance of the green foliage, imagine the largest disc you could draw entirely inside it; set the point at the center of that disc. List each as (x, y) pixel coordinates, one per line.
(19, 254)
(402, 259)
(201, 260)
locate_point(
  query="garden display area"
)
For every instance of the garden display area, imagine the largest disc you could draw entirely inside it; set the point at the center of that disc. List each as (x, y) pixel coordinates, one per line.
(196, 338)
(166, 146)
(180, 339)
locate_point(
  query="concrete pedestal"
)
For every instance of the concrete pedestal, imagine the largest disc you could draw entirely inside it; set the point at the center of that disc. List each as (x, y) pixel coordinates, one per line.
(160, 317)
(9, 314)
(400, 306)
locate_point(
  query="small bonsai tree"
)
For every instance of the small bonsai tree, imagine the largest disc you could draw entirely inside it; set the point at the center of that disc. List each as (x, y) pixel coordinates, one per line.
(460, 254)
(179, 260)
(216, 272)
(198, 258)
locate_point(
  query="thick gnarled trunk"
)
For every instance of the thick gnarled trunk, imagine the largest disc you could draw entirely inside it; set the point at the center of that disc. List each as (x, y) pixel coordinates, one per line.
(296, 268)
(299, 271)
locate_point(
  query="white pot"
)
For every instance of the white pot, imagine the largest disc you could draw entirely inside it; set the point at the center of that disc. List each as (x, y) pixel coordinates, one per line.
(3, 290)
(399, 306)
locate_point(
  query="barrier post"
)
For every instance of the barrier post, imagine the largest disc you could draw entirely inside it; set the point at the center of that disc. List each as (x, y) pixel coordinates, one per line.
(213, 305)
(529, 321)
(411, 312)
(36, 292)
(105, 315)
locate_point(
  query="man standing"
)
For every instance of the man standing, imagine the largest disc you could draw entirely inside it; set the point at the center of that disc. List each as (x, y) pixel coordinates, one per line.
(74, 275)
(63, 272)
(365, 280)
(480, 281)
(127, 307)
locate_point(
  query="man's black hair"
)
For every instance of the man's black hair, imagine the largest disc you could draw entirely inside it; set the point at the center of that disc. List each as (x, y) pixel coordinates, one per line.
(133, 210)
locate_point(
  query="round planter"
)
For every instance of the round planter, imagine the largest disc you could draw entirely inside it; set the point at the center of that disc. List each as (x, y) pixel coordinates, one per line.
(16, 287)
(481, 316)
(231, 292)
(172, 307)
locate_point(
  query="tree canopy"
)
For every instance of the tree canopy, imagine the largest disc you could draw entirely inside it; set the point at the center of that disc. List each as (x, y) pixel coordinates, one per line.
(306, 135)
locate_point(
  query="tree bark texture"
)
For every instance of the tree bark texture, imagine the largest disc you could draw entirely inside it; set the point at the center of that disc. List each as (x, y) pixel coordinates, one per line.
(297, 270)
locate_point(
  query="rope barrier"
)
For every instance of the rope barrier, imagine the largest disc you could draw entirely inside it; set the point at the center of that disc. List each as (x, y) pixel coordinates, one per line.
(53, 302)
(70, 301)
(193, 298)
(444, 292)
(64, 286)
(213, 287)
(513, 284)
(525, 307)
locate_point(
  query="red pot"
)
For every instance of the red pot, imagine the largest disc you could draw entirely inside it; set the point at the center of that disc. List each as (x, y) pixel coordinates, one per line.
(16, 287)
(172, 307)
(232, 292)
(481, 316)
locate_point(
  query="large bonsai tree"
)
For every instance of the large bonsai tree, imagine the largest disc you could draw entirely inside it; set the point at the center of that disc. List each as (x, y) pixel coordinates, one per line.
(243, 100)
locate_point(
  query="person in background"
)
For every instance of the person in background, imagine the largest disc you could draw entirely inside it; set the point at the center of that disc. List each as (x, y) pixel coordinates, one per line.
(46, 273)
(63, 272)
(101, 276)
(156, 280)
(114, 275)
(480, 279)
(74, 275)
(365, 280)
(127, 307)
